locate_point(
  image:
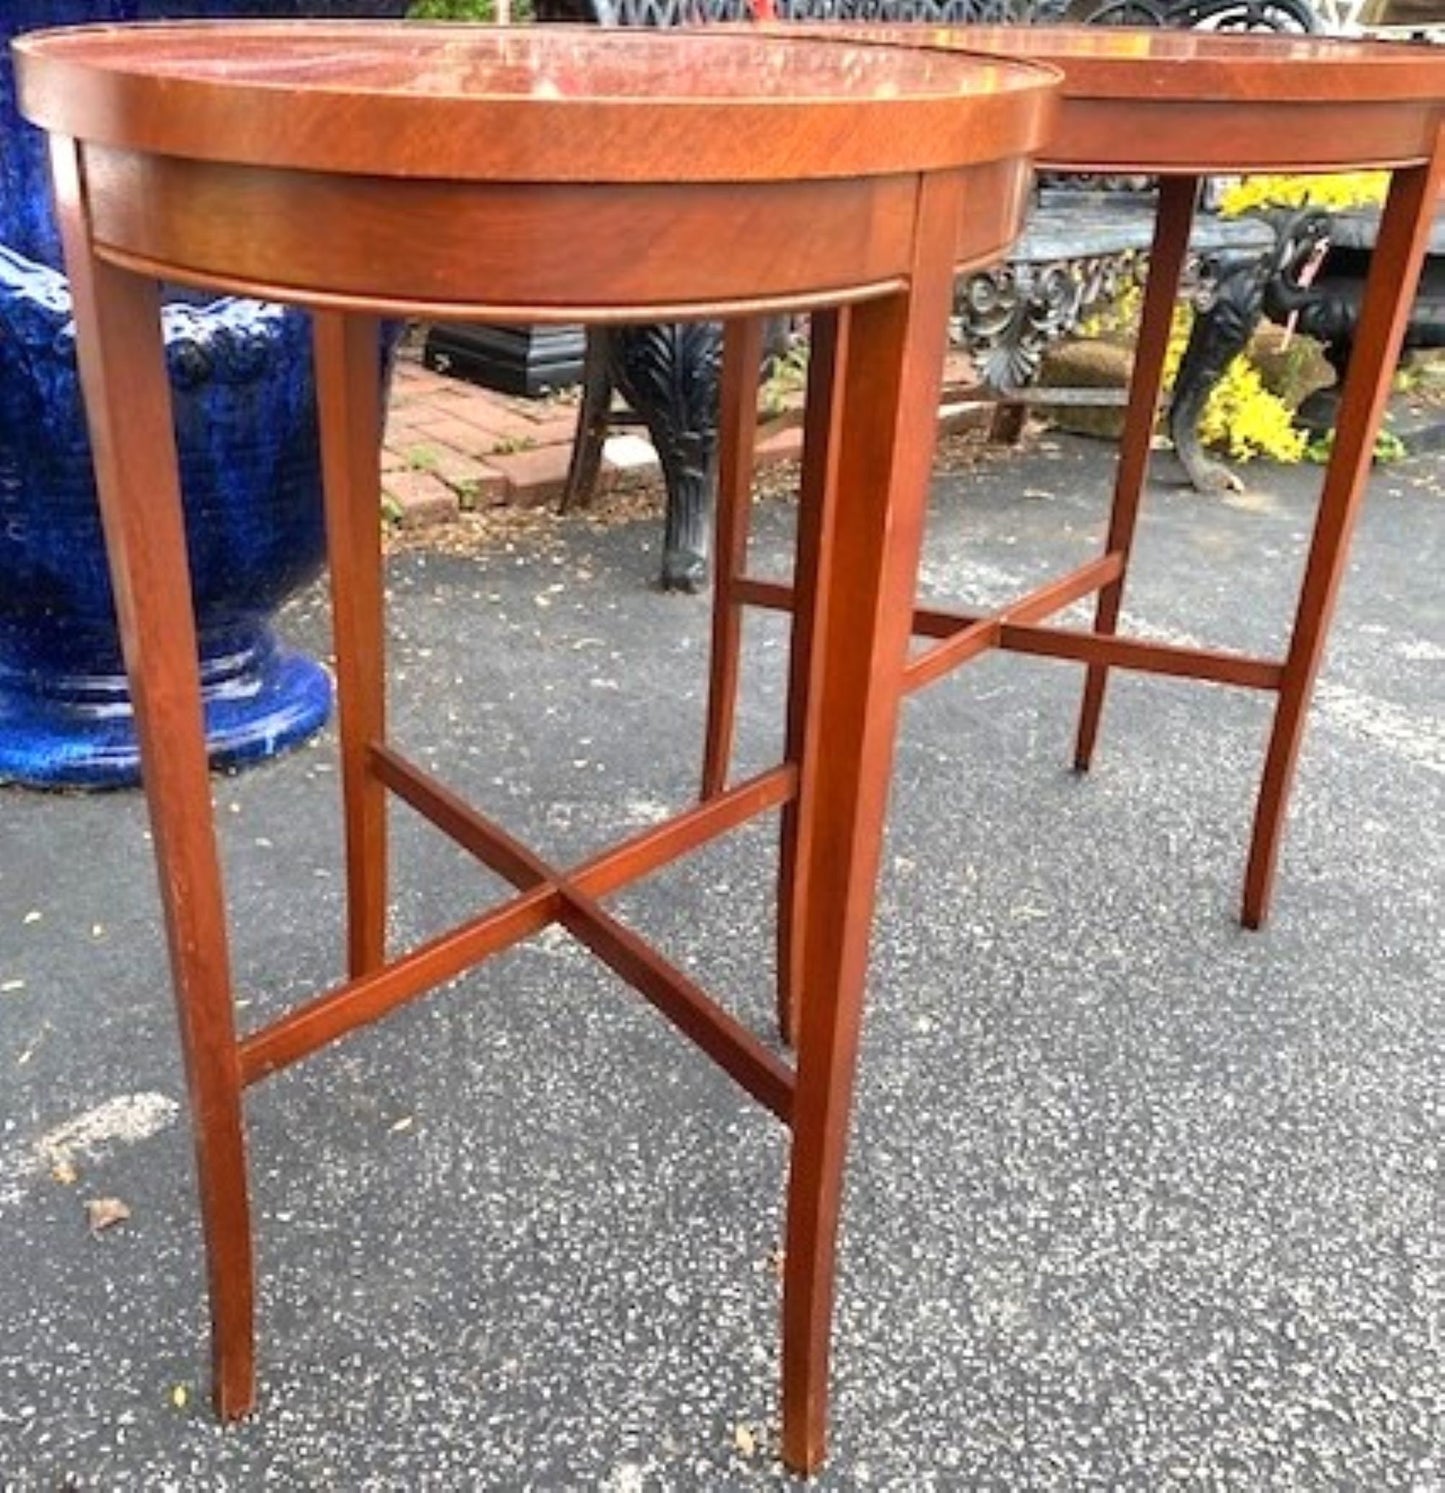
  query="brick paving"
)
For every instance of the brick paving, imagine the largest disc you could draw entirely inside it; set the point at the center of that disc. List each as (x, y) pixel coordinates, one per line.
(452, 446)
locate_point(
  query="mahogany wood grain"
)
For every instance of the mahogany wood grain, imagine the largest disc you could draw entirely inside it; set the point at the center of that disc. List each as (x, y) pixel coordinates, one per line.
(890, 372)
(1191, 102)
(1395, 266)
(490, 105)
(1184, 103)
(1177, 195)
(1208, 666)
(359, 1002)
(128, 406)
(497, 246)
(965, 638)
(349, 398)
(454, 172)
(737, 442)
(211, 155)
(1015, 628)
(775, 596)
(680, 999)
(1178, 104)
(646, 852)
(823, 417)
(321, 1020)
(511, 249)
(1033, 606)
(928, 622)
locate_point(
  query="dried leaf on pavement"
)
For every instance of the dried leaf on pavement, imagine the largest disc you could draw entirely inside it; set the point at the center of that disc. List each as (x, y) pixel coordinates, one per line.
(104, 1213)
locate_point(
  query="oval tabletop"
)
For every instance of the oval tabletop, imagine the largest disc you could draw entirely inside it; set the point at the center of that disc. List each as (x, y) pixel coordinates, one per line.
(532, 104)
(1152, 99)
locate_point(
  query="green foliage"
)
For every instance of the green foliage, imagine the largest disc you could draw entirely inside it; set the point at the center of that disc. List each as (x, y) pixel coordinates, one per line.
(455, 10)
(786, 376)
(1388, 447)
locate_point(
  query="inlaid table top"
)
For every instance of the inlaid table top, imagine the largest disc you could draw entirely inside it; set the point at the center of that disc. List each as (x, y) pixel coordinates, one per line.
(1153, 99)
(530, 104)
(541, 173)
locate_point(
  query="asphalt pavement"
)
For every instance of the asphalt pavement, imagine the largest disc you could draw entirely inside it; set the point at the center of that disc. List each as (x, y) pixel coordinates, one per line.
(1136, 1199)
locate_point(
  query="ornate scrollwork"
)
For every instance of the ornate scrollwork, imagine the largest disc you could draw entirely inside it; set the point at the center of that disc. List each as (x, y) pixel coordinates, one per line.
(1232, 15)
(1012, 314)
(670, 12)
(928, 12)
(693, 12)
(1202, 15)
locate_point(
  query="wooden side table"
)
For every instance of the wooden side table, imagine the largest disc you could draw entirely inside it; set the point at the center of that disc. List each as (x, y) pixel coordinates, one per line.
(1180, 105)
(458, 172)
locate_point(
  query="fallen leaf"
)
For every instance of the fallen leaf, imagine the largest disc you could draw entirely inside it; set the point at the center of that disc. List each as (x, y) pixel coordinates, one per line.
(103, 1213)
(64, 1172)
(180, 1396)
(744, 1442)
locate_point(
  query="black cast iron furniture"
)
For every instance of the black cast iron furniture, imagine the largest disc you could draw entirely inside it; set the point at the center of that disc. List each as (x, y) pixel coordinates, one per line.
(1311, 279)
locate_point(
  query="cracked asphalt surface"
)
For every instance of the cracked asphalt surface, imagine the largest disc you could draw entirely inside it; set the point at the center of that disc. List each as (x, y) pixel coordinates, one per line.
(1136, 1200)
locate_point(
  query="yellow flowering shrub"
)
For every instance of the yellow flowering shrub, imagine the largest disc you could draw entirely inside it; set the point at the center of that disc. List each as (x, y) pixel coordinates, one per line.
(1332, 193)
(1241, 418)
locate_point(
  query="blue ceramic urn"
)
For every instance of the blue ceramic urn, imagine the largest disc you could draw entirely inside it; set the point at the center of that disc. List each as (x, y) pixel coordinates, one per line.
(244, 398)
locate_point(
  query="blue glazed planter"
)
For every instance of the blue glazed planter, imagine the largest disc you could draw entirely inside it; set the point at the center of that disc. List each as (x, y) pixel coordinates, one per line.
(244, 395)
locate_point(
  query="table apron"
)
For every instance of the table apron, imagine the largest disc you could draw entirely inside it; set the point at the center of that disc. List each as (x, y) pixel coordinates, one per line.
(525, 251)
(1199, 138)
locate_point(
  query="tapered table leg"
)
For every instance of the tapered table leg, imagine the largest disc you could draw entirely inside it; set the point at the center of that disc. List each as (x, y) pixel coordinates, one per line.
(348, 394)
(890, 356)
(1389, 293)
(128, 407)
(822, 442)
(737, 432)
(1177, 195)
